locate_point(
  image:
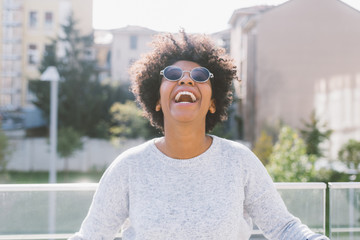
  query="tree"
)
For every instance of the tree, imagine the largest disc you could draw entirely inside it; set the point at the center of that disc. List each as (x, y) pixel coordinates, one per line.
(84, 102)
(222, 130)
(4, 151)
(128, 122)
(289, 161)
(314, 134)
(68, 142)
(349, 154)
(263, 147)
(49, 56)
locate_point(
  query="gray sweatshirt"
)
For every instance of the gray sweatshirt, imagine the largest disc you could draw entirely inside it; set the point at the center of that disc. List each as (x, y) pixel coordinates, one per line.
(216, 195)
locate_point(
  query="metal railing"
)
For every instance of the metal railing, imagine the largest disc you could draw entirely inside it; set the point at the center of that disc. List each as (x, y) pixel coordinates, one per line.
(55, 211)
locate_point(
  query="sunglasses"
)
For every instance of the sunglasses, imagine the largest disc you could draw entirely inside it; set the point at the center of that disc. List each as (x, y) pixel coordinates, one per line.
(198, 74)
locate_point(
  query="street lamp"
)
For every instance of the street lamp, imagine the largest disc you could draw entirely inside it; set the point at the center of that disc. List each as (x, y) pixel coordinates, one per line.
(51, 74)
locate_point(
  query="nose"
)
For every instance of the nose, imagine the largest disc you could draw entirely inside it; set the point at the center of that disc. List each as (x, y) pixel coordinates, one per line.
(186, 80)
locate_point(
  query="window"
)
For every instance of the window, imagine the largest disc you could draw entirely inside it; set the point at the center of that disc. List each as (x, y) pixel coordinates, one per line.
(89, 54)
(133, 42)
(131, 61)
(33, 19)
(48, 20)
(49, 48)
(49, 51)
(32, 54)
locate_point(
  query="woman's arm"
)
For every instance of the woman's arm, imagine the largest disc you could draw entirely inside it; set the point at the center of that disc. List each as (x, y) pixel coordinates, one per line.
(109, 208)
(267, 209)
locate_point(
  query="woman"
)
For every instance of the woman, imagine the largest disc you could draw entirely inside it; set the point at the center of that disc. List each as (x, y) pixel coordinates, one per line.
(187, 184)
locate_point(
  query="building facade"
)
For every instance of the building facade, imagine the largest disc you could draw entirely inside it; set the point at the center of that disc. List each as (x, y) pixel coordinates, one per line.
(222, 39)
(127, 45)
(26, 28)
(299, 57)
(102, 47)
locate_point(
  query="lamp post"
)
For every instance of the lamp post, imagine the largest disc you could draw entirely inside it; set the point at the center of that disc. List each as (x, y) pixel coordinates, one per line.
(51, 74)
(352, 177)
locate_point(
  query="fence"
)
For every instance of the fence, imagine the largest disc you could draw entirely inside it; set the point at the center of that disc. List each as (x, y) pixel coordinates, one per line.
(55, 211)
(344, 210)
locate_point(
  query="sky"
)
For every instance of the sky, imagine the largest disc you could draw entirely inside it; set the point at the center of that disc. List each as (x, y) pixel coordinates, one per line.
(202, 16)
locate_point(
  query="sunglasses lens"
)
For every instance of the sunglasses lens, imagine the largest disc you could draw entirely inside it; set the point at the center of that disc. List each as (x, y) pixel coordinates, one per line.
(200, 74)
(173, 73)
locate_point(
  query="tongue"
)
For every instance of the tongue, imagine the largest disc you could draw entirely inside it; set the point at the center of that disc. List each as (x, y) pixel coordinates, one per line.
(185, 98)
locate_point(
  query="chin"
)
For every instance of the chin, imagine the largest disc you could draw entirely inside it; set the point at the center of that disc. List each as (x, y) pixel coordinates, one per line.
(184, 118)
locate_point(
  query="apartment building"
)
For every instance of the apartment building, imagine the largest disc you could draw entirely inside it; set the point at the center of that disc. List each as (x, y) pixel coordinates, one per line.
(102, 52)
(299, 57)
(222, 39)
(127, 45)
(26, 28)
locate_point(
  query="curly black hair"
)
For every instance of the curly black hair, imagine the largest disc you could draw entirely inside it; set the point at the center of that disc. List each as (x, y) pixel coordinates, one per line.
(170, 48)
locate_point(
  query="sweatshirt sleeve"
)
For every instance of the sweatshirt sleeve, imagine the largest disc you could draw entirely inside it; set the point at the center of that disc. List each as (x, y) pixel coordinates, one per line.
(110, 206)
(267, 209)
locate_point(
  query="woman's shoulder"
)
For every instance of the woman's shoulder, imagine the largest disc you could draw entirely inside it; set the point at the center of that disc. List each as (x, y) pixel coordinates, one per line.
(133, 154)
(231, 146)
(236, 150)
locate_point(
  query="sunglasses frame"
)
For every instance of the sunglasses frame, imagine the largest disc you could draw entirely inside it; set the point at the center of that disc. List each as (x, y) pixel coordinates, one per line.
(182, 74)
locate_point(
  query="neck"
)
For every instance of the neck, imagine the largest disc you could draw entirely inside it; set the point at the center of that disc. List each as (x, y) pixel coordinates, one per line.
(184, 142)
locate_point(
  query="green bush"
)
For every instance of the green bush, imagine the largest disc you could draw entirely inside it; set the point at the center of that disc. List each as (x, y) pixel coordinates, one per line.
(127, 122)
(349, 154)
(314, 134)
(263, 147)
(289, 161)
(4, 151)
(69, 140)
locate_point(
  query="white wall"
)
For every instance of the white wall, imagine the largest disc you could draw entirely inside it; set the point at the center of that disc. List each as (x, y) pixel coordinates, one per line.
(337, 102)
(33, 154)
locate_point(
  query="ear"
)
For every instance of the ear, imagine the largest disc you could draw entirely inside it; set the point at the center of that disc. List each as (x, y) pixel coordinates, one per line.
(212, 107)
(158, 106)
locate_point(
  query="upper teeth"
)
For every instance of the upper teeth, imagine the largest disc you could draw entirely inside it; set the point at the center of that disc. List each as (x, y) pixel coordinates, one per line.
(177, 97)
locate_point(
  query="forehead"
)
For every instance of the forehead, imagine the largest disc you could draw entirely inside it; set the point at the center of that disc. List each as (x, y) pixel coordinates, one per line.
(186, 65)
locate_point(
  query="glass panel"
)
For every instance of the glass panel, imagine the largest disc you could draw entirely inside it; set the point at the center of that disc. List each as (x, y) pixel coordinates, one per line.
(27, 210)
(344, 211)
(30, 212)
(306, 203)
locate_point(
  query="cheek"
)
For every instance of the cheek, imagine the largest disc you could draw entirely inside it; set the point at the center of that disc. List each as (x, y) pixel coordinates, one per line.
(207, 90)
(209, 85)
(165, 90)
(162, 90)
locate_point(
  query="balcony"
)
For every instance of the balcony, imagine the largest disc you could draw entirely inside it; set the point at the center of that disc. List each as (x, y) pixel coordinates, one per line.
(12, 24)
(11, 40)
(11, 74)
(12, 6)
(11, 57)
(55, 211)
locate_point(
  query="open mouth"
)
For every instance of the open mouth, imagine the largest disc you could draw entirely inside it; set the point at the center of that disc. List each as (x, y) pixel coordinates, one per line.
(185, 97)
